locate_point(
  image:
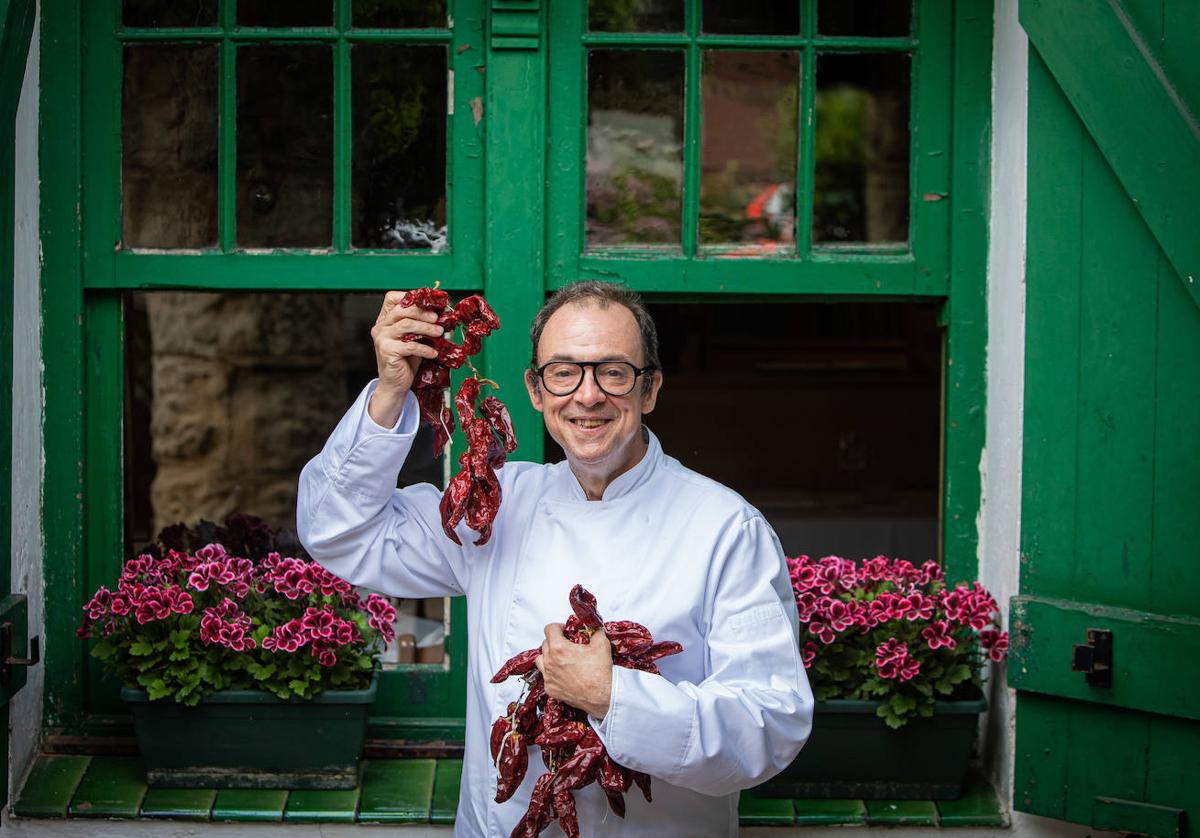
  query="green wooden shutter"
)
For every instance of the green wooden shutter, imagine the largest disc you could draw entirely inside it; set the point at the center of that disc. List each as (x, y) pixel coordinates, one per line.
(1112, 455)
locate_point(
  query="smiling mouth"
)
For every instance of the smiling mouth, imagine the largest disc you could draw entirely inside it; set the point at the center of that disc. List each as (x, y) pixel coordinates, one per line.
(589, 424)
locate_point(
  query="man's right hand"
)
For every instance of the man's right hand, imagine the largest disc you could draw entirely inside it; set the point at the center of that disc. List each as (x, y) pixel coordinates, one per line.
(397, 360)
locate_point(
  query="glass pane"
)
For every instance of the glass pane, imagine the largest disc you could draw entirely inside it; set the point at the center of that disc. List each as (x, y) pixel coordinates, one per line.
(284, 146)
(221, 416)
(748, 150)
(635, 15)
(862, 142)
(752, 17)
(291, 13)
(399, 150)
(864, 17)
(634, 147)
(169, 146)
(170, 13)
(398, 14)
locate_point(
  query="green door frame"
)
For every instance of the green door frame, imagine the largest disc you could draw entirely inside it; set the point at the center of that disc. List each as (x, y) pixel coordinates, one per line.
(515, 245)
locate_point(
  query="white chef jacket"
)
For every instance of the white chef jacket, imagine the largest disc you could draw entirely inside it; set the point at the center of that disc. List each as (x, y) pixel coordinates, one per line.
(673, 550)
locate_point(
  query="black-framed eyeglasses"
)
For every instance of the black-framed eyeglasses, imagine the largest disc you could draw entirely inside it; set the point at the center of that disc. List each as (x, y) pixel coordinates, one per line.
(562, 378)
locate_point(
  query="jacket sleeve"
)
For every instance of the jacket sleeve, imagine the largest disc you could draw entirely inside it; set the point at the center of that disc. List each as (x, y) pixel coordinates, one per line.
(355, 522)
(752, 714)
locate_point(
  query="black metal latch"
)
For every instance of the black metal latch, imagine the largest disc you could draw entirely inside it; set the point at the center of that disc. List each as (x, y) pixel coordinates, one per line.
(7, 661)
(1095, 657)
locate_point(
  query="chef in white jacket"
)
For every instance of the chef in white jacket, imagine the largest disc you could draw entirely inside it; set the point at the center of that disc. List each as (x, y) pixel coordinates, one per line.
(654, 541)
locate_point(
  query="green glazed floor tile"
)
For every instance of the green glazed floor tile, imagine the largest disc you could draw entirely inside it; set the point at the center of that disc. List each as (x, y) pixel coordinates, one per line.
(249, 805)
(812, 812)
(312, 806)
(51, 784)
(901, 812)
(978, 806)
(764, 811)
(112, 787)
(181, 804)
(396, 791)
(445, 791)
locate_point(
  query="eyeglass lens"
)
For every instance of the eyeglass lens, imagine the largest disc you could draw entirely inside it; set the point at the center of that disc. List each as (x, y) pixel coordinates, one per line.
(613, 377)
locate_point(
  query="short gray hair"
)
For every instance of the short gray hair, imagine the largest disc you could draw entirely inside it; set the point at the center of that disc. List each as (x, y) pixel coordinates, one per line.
(603, 294)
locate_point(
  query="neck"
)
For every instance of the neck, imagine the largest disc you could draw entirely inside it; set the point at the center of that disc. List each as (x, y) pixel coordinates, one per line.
(595, 478)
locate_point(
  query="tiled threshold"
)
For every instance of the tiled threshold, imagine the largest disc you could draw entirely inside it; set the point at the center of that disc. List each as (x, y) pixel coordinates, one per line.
(406, 792)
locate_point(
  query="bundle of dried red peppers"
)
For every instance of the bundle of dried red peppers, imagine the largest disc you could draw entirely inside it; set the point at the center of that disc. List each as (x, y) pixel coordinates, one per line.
(572, 752)
(473, 493)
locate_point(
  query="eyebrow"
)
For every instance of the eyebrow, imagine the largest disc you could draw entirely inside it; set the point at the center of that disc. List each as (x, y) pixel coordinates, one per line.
(623, 358)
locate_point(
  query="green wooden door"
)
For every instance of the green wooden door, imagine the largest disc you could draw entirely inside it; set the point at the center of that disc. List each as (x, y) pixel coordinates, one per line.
(16, 26)
(1111, 458)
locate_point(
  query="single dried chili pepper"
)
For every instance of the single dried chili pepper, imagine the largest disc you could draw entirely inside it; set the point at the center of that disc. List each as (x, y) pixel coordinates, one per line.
(518, 664)
(501, 728)
(564, 810)
(584, 606)
(627, 637)
(454, 503)
(643, 782)
(661, 650)
(512, 764)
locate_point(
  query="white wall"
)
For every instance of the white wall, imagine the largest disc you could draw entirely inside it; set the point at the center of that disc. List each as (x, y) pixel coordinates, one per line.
(25, 712)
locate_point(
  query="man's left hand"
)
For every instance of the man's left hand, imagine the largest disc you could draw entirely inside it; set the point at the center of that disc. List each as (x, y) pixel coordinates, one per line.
(580, 675)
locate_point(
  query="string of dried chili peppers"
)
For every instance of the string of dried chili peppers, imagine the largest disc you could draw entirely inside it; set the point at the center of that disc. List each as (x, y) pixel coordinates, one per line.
(473, 493)
(573, 754)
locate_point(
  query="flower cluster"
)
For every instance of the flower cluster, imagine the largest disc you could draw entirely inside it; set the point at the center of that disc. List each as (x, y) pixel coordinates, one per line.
(184, 622)
(886, 629)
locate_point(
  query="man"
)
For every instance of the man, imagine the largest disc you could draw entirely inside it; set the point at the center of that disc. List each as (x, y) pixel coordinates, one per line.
(654, 541)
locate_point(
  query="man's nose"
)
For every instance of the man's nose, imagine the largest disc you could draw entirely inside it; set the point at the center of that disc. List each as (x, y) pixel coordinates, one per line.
(589, 392)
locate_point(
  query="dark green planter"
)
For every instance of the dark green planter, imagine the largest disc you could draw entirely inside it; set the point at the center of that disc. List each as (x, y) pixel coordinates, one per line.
(249, 739)
(852, 754)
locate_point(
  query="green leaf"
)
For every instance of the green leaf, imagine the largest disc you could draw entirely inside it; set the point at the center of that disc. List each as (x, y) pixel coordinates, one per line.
(141, 647)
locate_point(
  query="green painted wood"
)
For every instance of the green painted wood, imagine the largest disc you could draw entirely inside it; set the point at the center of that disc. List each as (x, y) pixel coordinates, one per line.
(112, 787)
(396, 791)
(179, 804)
(321, 806)
(1109, 464)
(814, 812)
(249, 805)
(1145, 645)
(764, 811)
(50, 786)
(62, 358)
(901, 813)
(445, 791)
(978, 806)
(1142, 818)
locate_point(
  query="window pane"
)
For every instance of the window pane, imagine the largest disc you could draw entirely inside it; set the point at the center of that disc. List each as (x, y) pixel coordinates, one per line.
(635, 147)
(862, 142)
(169, 146)
(399, 151)
(291, 13)
(284, 146)
(635, 15)
(752, 17)
(748, 149)
(170, 13)
(399, 14)
(864, 17)
(222, 415)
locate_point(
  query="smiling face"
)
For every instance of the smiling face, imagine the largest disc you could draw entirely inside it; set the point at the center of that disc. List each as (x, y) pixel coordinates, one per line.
(601, 434)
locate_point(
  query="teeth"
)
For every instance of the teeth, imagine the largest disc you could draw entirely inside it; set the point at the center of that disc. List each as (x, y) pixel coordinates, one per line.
(589, 423)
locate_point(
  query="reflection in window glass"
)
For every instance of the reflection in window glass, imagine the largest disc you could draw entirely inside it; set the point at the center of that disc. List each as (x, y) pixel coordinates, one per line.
(169, 13)
(634, 147)
(169, 146)
(284, 146)
(399, 151)
(862, 148)
(864, 17)
(221, 416)
(635, 15)
(399, 14)
(291, 13)
(751, 17)
(748, 150)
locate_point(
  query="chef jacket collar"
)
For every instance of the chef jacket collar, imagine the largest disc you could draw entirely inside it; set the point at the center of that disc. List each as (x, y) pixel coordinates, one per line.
(625, 483)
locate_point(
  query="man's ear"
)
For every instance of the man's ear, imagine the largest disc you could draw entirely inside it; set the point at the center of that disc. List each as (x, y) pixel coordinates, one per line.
(651, 398)
(535, 390)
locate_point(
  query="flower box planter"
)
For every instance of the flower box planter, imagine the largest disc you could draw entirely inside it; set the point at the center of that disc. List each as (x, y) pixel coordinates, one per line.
(250, 739)
(853, 755)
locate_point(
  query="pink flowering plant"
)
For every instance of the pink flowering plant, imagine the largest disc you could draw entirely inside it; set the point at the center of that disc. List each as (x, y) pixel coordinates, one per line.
(235, 607)
(887, 630)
